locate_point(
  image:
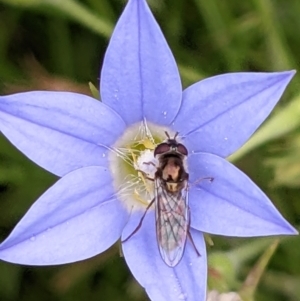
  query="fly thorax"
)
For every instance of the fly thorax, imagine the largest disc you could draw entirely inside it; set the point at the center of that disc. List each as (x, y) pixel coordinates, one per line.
(171, 170)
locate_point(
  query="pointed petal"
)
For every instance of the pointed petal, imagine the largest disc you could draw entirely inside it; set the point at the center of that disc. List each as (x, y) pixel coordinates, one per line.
(232, 204)
(60, 131)
(75, 219)
(219, 114)
(186, 281)
(139, 77)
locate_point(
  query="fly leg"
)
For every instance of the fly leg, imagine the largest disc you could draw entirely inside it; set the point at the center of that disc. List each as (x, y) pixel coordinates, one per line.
(192, 241)
(140, 223)
(210, 179)
(190, 235)
(149, 163)
(145, 175)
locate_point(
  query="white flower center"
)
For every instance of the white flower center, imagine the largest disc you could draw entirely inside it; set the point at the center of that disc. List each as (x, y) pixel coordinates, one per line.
(133, 165)
(146, 163)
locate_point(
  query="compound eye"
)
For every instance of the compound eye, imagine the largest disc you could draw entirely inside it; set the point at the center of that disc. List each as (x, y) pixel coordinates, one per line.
(161, 148)
(182, 149)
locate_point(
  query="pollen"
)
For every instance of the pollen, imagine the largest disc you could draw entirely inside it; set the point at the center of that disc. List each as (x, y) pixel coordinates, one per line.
(133, 165)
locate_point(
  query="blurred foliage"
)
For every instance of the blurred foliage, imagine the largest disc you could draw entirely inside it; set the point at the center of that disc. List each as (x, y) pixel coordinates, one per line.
(286, 162)
(59, 45)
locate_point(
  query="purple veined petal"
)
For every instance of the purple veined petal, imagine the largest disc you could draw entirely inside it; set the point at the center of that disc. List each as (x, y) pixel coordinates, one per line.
(60, 131)
(219, 114)
(139, 77)
(77, 218)
(184, 282)
(232, 204)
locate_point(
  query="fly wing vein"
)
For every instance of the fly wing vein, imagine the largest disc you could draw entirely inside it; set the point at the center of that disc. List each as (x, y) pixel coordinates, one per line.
(172, 221)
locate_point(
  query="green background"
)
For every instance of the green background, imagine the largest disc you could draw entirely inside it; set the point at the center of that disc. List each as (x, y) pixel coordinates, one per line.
(59, 45)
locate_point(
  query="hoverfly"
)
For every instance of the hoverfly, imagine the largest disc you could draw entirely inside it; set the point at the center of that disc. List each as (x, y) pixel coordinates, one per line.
(171, 201)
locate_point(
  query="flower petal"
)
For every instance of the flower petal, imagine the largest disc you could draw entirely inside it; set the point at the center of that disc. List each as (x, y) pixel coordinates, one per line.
(186, 281)
(75, 219)
(139, 76)
(60, 131)
(219, 114)
(232, 204)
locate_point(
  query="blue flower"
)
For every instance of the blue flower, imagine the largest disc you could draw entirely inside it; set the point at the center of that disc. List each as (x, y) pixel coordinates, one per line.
(98, 149)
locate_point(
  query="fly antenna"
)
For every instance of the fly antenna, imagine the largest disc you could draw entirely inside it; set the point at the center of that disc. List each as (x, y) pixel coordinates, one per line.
(168, 136)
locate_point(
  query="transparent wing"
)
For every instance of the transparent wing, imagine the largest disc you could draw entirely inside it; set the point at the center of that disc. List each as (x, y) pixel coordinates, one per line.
(172, 222)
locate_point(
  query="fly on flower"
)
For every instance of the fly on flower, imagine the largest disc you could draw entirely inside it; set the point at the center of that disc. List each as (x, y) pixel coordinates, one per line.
(172, 212)
(171, 200)
(99, 148)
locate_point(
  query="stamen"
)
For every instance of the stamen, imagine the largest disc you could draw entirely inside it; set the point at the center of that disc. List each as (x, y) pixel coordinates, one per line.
(133, 165)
